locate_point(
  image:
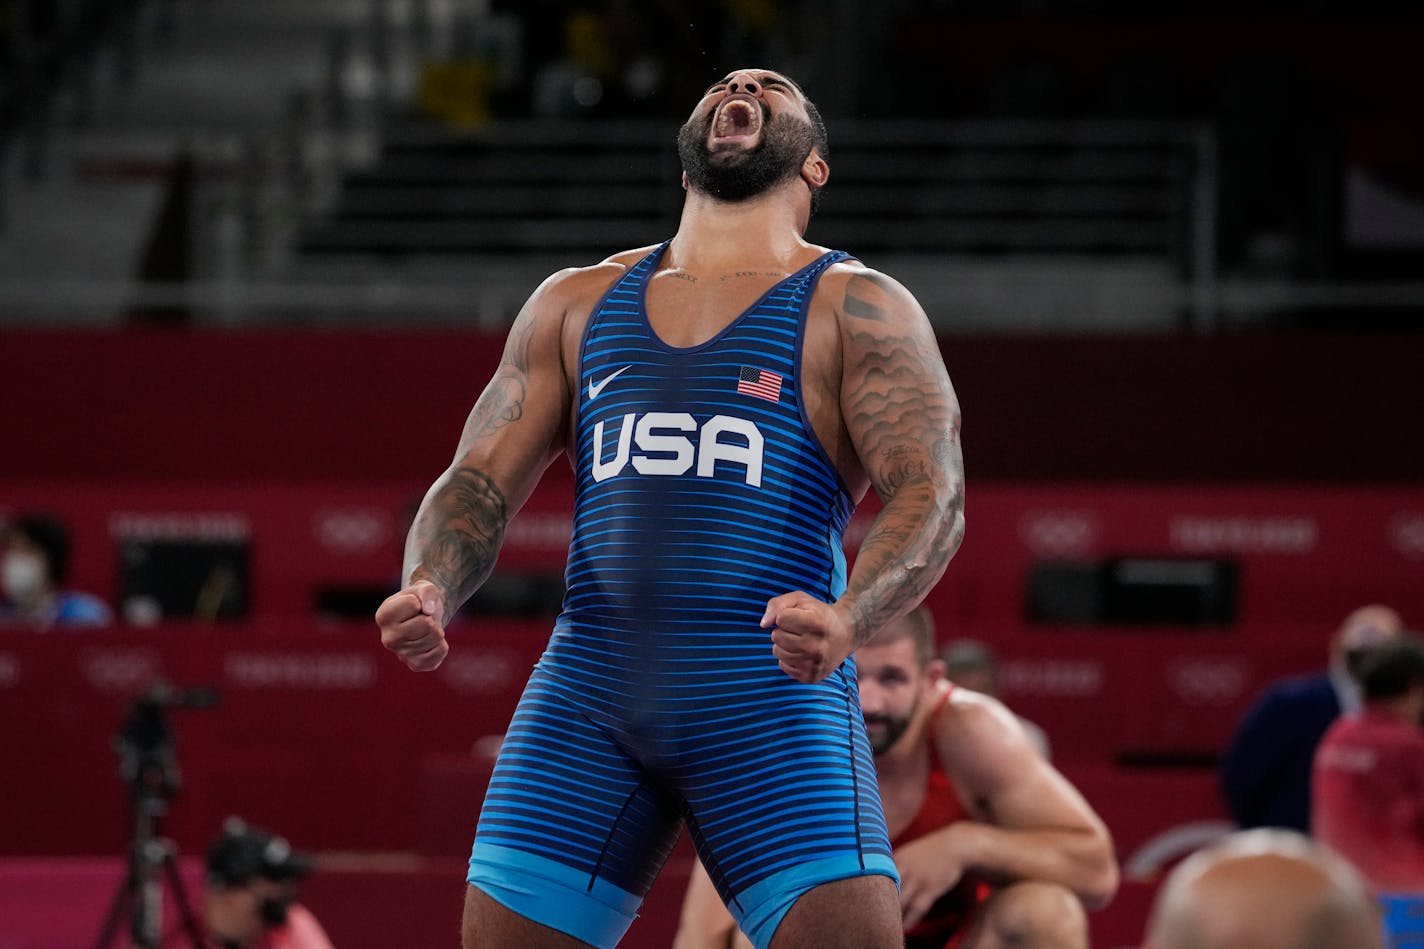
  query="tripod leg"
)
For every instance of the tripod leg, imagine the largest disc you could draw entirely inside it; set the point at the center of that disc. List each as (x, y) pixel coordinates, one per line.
(118, 909)
(186, 915)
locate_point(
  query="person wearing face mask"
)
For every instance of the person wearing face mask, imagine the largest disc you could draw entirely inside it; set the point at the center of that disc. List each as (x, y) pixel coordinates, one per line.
(251, 897)
(34, 564)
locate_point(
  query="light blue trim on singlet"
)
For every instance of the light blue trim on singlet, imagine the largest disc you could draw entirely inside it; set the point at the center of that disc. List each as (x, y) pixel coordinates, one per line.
(764, 905)
(553, 894)
(838, 564)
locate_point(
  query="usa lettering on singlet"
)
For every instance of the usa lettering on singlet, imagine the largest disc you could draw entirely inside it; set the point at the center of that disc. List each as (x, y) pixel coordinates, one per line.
(698, 476)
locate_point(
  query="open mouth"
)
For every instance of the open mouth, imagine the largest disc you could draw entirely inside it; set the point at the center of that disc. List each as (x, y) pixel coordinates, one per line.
(736, 120)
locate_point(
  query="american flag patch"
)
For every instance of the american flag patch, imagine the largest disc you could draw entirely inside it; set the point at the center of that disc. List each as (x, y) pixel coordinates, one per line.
(760, 383)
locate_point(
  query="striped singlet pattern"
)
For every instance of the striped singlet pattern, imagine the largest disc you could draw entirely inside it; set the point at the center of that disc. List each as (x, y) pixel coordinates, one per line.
(701, 493)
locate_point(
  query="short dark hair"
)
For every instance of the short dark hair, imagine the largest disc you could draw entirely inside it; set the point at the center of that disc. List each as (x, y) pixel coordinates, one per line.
(49, 534)
(918, 627)
(821, 139)
(1392, 668)
(818, 130)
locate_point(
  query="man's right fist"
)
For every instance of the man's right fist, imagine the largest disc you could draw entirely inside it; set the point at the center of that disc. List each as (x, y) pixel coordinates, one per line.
(413, 625)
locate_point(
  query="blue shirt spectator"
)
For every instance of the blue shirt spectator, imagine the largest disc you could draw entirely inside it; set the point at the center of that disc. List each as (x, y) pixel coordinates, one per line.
(34, 564)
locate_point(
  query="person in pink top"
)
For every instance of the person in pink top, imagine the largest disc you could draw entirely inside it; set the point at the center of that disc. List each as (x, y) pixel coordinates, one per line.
(1367, 785)
(250, 900)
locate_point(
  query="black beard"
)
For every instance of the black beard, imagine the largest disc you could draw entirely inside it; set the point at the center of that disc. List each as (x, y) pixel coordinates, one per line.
(735, 174)
(894, 728)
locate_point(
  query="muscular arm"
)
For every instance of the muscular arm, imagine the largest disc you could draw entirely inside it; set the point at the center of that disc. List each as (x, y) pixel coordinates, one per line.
(516, 428)
(1031, 823)
(902, 417)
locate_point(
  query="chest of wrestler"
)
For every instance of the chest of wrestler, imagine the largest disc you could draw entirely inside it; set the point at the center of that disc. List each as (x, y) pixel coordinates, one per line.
(702, 487)
(687, 312)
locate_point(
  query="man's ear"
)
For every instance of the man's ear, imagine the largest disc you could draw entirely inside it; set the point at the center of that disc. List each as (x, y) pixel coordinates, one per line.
(684, 181)
(935, 671)
(814, 170)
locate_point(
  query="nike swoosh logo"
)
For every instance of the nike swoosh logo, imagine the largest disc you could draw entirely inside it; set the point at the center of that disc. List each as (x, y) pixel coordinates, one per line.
(596, 387)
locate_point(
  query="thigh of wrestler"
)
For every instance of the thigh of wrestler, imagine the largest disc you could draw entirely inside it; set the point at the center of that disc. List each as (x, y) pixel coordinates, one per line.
(572, 833)
(856, 913)
(782, 799)
(491, 925)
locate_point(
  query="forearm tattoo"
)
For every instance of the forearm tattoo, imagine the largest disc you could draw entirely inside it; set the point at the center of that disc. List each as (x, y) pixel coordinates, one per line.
(907, 419)
(456, 536)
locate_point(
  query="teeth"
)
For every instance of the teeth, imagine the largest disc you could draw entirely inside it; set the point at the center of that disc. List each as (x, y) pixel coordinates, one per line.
(736, 117)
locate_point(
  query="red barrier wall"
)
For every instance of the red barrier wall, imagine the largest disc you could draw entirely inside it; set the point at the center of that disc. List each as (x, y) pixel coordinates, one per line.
(1306, 555)
(314, 443)
(321, 734)
(219, 406)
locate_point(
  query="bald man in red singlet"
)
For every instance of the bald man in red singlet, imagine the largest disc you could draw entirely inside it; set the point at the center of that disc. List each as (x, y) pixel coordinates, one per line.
(994, 847)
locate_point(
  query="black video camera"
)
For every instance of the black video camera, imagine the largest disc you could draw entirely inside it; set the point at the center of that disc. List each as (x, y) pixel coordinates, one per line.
(145, 743)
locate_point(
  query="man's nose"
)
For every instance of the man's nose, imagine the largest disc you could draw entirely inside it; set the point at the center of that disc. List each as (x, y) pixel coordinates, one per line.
(743, 84)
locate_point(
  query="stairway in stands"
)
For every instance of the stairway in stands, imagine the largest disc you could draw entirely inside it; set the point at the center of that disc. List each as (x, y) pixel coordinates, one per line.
(984, 220)
(218, 75)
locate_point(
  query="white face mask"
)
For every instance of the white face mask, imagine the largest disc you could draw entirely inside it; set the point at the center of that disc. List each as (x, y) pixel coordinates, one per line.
(22, 576)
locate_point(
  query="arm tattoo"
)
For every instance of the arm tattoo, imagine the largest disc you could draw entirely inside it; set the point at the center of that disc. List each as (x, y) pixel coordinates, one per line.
(904, 413)
(911, 542)
(861, 308)
(456, 537)
(501, 403)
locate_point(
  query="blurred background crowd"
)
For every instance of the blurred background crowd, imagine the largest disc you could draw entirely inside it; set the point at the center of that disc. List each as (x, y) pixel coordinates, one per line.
(257, 258)
(1080, 164)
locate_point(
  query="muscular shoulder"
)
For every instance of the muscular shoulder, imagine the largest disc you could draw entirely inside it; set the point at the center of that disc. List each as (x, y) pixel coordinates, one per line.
(971, 725)
(855, 290)
(968, 711)
(575, 286)
(566, 298)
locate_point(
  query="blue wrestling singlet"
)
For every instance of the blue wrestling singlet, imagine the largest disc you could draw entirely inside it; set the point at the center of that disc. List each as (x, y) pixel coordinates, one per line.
(702, 492)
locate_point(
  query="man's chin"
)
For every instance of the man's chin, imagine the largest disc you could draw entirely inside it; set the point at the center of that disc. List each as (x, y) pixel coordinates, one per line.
(729, 156)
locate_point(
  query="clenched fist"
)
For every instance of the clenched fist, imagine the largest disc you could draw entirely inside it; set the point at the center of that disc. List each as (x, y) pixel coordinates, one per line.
(413, 625)
(809, 637)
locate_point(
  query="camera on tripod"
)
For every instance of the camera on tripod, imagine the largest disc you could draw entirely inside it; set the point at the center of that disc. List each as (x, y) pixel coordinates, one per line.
(149, 767)
(145, 743)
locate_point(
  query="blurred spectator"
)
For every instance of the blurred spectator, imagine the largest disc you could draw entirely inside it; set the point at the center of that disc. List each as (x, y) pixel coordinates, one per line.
(1263, 889)
(972, 664)
(251, 898)
(1368, 783)
(34, 565)
(1265, 769)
